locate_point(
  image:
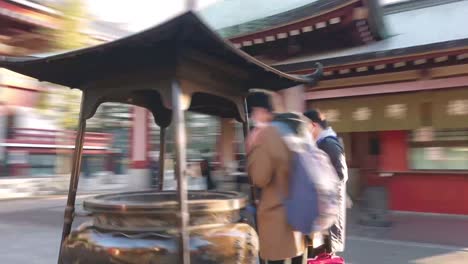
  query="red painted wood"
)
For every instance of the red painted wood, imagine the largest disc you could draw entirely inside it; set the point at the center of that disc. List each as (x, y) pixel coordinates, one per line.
(416, 191)
(143, 164)
(393, 151)
(39, 18)
(19, 169)
(345, 13)
(391, 60)
(17, 97)
(430, 193)
(421, 85)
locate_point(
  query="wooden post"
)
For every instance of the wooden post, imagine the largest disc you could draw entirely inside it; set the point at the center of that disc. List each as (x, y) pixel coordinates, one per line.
(180, 167)
(226, 138)
(75, 175)
(139, 149)
(162, 157)
(293, 99)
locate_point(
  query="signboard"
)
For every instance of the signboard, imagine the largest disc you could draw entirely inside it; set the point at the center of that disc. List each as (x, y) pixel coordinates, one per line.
(332, 115)
(434, 153)
(362, 114)
(424, 134)
(457, 107)
(396, 111)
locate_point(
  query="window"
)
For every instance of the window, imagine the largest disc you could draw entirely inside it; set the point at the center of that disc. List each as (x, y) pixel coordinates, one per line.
(439, 149)
(42, 164)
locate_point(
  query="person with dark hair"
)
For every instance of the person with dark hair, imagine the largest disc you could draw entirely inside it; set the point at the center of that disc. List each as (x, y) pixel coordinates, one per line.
(268, 162)
(328, 141)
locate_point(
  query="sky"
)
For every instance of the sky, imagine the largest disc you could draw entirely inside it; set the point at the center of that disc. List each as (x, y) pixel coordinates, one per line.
(137, 15)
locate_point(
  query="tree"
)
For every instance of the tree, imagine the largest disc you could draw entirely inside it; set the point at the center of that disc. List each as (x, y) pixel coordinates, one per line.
(70, 33)
(68, 36)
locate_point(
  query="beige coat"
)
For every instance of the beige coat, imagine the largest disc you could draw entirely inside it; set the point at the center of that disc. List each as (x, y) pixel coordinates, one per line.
(268, 165)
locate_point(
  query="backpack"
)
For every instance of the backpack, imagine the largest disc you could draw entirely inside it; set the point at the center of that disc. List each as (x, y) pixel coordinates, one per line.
(312, 203)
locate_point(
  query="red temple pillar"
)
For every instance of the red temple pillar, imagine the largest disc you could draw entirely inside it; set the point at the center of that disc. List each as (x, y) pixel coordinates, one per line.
(139, 149)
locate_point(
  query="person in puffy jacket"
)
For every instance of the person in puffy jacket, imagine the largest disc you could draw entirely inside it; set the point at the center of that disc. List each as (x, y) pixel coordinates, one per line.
(268, 160)
(328, 141)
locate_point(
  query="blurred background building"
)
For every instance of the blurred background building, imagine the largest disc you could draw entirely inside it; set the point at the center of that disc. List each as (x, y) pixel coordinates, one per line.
(394, 87)
(38, 118)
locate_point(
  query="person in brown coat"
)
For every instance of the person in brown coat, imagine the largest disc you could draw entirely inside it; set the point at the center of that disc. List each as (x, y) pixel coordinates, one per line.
(268, 163)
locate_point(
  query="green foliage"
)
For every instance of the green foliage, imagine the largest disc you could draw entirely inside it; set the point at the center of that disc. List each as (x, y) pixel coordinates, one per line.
(70, 109)
(69, 35)
(65, 103)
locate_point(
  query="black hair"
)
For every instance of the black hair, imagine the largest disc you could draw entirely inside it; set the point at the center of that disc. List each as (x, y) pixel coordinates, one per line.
(315, 116)
(259, 99)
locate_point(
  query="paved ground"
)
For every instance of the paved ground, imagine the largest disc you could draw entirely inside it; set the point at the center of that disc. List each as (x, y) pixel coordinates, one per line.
(30, 232)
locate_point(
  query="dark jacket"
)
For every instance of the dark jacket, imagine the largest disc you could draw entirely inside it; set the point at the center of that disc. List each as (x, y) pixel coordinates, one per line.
(336, 153)
(329, 143)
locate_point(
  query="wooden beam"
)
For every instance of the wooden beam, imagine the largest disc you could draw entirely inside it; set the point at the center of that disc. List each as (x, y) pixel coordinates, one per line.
(410, 58)
(370, 79)
(360, 13)
(411, 86)
(299, 21)
(438, 72)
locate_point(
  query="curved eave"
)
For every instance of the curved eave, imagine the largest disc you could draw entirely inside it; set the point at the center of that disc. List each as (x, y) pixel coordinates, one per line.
(143, 51)
(310, 18)
(395, 59)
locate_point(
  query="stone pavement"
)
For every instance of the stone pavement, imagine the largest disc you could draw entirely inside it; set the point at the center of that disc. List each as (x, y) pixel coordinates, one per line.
(24, 187)
(447, 230)
(27, 187)
(31, 228)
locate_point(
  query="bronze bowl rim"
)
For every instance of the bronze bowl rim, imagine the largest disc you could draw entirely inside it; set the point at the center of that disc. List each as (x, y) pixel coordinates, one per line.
(227, 201)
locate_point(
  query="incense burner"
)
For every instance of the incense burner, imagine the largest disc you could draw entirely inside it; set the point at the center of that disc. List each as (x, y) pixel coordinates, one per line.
(142, 227)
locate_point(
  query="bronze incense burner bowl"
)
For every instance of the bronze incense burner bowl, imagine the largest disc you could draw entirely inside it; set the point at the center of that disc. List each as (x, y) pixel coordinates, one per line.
(142, 228)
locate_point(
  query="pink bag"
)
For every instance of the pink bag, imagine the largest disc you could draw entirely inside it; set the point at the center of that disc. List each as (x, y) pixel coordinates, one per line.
(326, 258)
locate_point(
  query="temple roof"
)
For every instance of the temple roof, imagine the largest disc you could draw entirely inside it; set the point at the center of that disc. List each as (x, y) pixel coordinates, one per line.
(257, 15)
(412, 30)
(165, 45)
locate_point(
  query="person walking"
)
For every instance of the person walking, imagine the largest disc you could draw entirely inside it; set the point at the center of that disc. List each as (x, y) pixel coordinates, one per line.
(327, 140)
(268, 162)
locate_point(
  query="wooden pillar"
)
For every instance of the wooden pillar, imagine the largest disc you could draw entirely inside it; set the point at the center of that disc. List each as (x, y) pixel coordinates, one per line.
(162, 157)
(293, 99)
(74, 178)
(178, 120)
(227, 137)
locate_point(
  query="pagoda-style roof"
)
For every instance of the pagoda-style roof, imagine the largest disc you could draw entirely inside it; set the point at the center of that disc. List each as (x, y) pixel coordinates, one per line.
(160, 46)
(415, 27)
(142, 68)
(265, 21)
